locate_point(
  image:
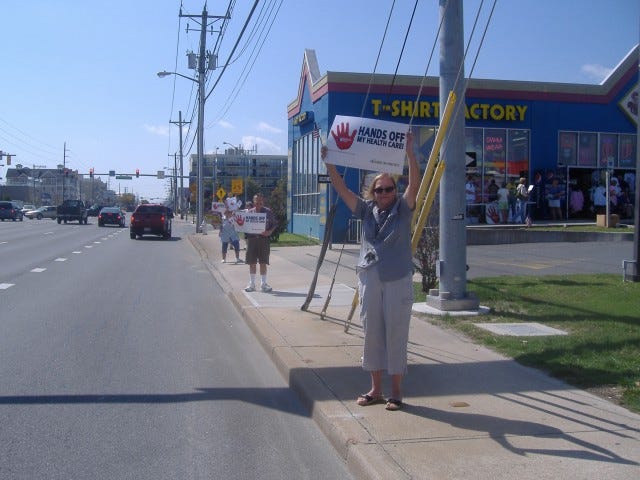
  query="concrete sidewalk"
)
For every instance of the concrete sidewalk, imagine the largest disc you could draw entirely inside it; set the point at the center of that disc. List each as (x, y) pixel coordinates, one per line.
(469, 412)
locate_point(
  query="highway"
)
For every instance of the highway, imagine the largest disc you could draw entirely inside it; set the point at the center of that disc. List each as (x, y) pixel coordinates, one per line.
(123, 358)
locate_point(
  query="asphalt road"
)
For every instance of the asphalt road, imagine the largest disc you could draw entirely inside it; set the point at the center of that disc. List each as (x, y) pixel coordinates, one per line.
(123, 359)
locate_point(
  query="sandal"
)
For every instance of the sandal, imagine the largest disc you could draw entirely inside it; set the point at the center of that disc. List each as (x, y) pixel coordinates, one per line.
(393, 404)
(365, 399)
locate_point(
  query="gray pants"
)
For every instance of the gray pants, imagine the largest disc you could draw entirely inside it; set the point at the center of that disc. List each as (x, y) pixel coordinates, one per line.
(385, 313)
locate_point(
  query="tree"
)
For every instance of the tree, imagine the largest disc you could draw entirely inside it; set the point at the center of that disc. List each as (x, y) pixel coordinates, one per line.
(278, 204)
(251, 187)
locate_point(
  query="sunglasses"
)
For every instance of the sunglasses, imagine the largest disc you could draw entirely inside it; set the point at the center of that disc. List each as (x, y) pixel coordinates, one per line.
(380, 190)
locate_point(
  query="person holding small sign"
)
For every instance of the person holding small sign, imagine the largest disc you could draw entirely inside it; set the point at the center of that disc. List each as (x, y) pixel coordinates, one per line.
(228, 235)
(385, 273)
(258, 246)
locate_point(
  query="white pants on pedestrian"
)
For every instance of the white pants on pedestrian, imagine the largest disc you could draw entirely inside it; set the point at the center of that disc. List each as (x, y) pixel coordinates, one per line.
(385, 313)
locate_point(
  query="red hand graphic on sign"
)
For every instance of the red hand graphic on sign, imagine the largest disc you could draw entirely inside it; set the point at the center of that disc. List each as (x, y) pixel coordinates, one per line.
(239, 220)
(343, 139)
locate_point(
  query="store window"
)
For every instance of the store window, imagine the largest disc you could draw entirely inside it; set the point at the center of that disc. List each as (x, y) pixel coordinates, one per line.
(587, 149)
(627, 152)
(608, 157)
(494, 156)
(568, 151)
(306, 166)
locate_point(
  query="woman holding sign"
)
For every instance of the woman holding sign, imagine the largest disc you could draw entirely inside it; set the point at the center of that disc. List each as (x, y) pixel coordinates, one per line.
(385, 274)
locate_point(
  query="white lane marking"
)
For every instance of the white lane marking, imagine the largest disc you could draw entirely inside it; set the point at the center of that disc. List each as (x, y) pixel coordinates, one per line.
(60, 259)
(97, 242)
(76, 251)
(88, 246)
(3, 242)
(4, 286)
(48, 233)
(38, 270)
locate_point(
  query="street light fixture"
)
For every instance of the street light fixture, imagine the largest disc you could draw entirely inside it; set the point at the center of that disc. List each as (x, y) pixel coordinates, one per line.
(200, 131)
(237, 149)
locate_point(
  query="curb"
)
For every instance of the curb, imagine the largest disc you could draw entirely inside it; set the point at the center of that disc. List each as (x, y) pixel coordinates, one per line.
(364, 457)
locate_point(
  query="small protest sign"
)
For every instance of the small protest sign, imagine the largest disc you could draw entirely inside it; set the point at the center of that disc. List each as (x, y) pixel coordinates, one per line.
(249, 222)
(367, 144)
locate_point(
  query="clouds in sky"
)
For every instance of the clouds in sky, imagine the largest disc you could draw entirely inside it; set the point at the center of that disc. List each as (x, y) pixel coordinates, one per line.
(265, 146)
(596, 72)
(162, 130)
(265, 127)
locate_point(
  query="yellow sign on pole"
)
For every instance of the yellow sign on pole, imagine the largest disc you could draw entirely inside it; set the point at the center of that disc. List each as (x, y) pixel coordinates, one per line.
(236, 185)
(221, 193)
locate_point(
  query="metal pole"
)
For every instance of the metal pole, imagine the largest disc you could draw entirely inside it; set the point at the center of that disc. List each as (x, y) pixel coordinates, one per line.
(636, 206)
(181, 194)
(201, 99)
(453, 235)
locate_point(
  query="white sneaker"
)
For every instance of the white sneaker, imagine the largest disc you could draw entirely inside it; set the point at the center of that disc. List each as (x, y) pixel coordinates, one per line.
(266, 288)
(250, 288)
(224, 261)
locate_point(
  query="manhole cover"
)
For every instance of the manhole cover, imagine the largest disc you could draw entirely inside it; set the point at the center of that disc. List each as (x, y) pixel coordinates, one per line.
(520, 329)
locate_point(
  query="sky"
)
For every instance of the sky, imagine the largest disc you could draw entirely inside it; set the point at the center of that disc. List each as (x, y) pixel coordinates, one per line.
(79, 80)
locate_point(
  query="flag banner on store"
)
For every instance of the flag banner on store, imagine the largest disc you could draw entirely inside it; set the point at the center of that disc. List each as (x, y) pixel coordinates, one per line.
(249, 222)
(367, 144)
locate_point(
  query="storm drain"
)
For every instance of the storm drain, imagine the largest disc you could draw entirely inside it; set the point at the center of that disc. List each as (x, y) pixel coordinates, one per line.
(520, 329)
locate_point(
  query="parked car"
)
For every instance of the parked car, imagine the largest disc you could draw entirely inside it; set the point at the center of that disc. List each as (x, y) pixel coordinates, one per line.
(27, 207)
(111, 216)
(151, 219)
(10, 211)
(46, 211)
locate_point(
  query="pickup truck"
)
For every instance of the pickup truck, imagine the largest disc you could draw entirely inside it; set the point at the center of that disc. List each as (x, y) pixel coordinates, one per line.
(71, 210)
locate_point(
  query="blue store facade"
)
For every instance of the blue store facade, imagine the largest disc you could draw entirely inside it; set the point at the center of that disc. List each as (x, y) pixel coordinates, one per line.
(574, 133)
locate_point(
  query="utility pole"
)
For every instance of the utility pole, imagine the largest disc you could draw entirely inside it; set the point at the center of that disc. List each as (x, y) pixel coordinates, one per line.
(204, 18)
(64, 168)
(180, 123)
(452, 294)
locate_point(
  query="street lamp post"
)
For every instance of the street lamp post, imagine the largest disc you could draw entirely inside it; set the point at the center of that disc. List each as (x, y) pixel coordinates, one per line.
(200, 131)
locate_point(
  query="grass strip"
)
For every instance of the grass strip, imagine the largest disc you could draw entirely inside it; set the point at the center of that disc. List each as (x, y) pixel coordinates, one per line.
(600, 312)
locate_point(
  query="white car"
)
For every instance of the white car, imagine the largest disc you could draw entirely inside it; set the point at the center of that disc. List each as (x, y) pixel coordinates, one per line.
(45, 211)
(27, 207)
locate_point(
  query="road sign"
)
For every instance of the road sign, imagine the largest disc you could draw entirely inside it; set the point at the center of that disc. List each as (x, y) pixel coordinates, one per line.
(124, 177)
(221, 193)
(236, 185)
(160, 174)
(112, 173)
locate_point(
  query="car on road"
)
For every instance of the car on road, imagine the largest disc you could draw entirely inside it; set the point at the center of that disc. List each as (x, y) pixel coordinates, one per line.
(46, 211)
(27, 207)
(94, 210)
(10, 211)
(111, 216)
(150, 219)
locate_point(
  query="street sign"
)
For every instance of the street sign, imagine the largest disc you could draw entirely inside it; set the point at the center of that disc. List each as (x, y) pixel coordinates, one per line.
(323, 178)
(160, 174)
(221, 193)
(236, 185)
(112, 173)
(124, 177)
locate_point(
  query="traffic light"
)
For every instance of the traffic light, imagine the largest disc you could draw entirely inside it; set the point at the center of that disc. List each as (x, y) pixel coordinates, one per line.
(8, 159)
(66, 172)
(137, 173)
(91, 172)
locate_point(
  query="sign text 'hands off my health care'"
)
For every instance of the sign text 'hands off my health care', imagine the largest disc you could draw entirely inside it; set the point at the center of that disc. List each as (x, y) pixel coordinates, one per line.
(367, 144)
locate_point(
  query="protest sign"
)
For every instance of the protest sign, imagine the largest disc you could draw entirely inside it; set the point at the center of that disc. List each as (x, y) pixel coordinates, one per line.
(367, 144)
(218, 207)
(249, 222)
